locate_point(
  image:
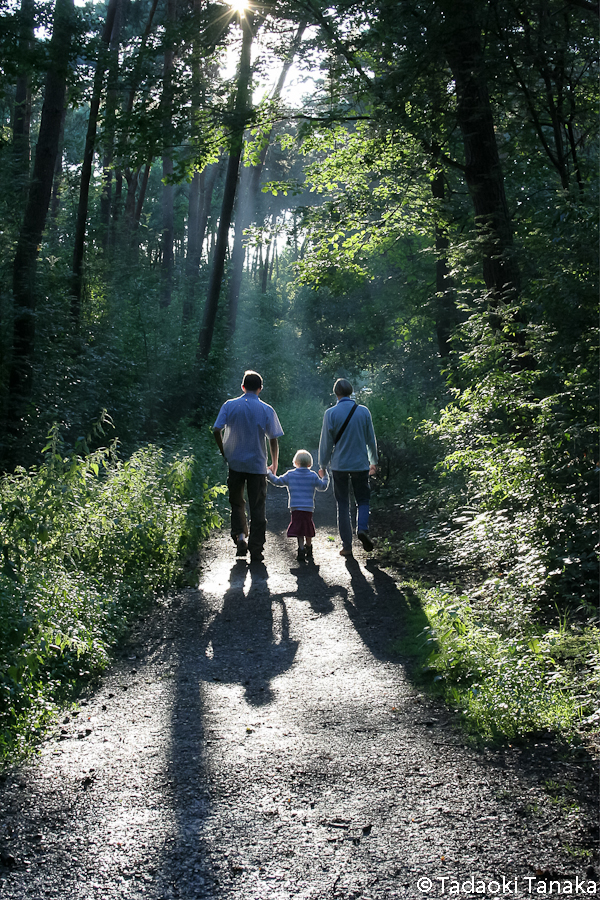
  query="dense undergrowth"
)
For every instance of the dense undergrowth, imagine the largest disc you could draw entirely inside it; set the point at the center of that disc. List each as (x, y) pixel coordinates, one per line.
(502, 533)
(87, 539)
(510, 677)
(485, 640)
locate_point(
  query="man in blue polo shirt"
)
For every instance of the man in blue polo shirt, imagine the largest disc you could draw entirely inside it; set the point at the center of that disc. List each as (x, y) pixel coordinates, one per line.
(348, 443)
(240, 431)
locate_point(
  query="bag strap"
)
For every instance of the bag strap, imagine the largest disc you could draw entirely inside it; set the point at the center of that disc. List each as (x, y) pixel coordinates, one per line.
(343, 428)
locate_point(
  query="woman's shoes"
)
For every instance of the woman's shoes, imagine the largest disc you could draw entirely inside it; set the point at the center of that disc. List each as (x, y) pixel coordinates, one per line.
(365, 540)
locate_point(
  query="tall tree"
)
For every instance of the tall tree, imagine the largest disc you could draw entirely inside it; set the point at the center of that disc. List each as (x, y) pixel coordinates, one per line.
(197, 185)
(445, 307)
(58, 168)
(22, 107)
(36, 211)
(249, 190)
(463, 47)
(112, 95)
(133, 207)
(551, 57)
(236, 142)
(168, 189)
(88, 159)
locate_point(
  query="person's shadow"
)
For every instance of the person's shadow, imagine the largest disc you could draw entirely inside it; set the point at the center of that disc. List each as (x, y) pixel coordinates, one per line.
(313, 589)
(249, 642)
(380, 609)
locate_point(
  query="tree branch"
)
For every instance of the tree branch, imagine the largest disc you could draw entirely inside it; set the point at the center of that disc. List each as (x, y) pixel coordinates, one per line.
(587, 5)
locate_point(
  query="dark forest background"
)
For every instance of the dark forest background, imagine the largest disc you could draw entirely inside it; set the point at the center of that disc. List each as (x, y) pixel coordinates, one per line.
(404, 194)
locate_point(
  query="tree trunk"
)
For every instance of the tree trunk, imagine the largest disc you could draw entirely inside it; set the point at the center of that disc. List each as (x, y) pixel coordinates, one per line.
(168, 190)
(235, 151)
(86, 169)
(116, 202)
(248, 196)
(36, 211)
(214, 172)
(132, 183)
(142, 195)
(265, 270)
(445, 308)
(168, 219)
(132, 226)
(192, 260)
(196, 192)
(137, 71)
(112, 95)
(22, 111)
(483, 170)
(58, 168)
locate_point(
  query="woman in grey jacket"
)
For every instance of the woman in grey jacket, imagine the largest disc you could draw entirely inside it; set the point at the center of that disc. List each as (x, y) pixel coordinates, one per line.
(349, 445)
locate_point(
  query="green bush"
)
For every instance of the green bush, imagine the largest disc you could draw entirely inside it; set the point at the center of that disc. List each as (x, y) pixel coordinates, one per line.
(513, 680)
(86, 541)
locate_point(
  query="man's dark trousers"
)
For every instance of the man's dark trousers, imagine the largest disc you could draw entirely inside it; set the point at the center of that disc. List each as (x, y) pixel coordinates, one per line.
(256, 486)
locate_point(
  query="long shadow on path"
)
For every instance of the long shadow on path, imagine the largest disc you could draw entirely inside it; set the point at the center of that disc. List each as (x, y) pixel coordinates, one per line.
(248, 641)
(380, 609)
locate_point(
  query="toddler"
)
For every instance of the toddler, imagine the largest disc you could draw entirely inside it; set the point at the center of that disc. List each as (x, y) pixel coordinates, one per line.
(301, 483)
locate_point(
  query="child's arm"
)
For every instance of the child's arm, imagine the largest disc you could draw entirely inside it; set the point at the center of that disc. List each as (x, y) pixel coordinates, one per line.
(277, 480)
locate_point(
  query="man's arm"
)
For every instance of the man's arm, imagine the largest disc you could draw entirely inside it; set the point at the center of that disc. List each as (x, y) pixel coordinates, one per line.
(274, 447)
(325, 446)
(219, 439)
(372, 447)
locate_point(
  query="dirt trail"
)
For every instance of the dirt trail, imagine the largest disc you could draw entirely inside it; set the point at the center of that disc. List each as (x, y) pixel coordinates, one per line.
(260, 740)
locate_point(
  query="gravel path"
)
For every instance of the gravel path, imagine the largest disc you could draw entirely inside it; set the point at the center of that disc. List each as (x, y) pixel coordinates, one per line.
(260, 740)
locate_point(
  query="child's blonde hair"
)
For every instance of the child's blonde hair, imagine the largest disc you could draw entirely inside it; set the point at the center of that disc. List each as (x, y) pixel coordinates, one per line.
(303, 459)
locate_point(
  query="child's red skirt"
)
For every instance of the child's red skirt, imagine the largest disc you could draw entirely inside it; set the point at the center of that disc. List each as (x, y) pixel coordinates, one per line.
(302, 524)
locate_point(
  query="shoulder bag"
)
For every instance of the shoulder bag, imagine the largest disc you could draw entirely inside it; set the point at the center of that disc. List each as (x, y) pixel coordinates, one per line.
(343, 428)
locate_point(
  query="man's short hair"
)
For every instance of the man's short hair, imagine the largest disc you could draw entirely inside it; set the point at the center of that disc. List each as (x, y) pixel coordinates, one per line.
(342, 388)
(252, 381)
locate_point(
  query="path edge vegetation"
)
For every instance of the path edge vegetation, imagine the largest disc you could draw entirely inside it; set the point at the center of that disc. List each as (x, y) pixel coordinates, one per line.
(500, 625)
(89, 540)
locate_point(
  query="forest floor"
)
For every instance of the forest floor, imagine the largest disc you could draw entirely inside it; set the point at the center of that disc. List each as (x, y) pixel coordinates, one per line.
(259, 738)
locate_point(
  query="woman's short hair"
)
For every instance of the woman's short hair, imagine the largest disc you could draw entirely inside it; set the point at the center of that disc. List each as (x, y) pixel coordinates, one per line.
(303, 459)
(342, 388)
(252, 381)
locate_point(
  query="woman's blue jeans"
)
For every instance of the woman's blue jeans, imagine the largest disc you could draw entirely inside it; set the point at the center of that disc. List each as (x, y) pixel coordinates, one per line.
(362, 494)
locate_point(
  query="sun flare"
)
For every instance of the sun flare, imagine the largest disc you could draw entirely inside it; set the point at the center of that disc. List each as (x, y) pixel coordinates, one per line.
(239, 6)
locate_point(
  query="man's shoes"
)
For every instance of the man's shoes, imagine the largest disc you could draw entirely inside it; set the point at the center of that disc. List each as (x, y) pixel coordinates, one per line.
(365, 540)
(242, 547)
(256, 557)
(301, 554)
(346, 551)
